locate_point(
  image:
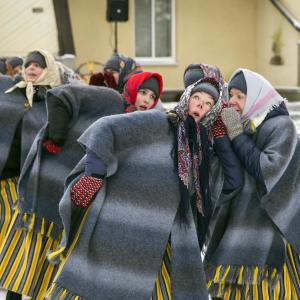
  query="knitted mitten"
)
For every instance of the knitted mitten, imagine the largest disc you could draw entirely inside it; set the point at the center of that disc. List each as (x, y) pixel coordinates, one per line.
(232, 121)
(218, 129)
(51, 147)
(84, 190)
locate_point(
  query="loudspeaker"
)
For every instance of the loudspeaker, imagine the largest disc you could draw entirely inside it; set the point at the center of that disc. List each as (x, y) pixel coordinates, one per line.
(117, 10)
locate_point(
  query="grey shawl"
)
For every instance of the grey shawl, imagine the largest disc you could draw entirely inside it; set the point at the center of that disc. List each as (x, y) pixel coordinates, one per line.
(251, 225)
(41, 183)
(14, 107)
(122, 242)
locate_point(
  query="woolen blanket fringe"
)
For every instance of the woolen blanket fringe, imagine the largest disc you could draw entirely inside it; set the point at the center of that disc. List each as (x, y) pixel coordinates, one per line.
(58, 292)
(32, 222)
(221, 277)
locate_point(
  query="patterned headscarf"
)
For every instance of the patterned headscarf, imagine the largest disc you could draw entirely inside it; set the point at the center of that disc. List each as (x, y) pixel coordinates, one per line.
(126, 66)
(189, 160)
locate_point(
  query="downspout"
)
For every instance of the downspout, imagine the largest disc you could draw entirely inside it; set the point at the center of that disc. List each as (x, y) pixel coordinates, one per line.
(294, 22)
(289, 17)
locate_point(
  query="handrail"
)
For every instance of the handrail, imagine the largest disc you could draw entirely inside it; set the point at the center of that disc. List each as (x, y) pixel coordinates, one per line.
(282, 9)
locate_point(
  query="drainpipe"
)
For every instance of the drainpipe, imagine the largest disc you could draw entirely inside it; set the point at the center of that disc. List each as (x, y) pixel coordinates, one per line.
(298, 81)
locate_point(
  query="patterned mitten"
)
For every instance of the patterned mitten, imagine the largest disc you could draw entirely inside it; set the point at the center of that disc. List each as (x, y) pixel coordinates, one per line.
(218, 129)
(232, 121)
(51, 147)
(84, 190)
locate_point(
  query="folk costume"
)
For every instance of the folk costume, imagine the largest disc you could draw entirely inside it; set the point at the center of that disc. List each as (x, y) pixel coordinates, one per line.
(253, 252)
(23, 113)
(138, 242)
(53, 155)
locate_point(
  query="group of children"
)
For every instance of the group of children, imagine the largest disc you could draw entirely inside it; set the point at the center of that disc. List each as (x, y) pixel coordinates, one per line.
(104, 195)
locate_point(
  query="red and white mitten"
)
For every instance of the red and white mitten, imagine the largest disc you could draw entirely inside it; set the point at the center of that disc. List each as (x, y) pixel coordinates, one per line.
(51, 147)
(219, 129)
(84, 190)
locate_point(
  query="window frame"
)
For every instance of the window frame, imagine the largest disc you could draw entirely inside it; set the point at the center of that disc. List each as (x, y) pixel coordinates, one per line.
(153, 61)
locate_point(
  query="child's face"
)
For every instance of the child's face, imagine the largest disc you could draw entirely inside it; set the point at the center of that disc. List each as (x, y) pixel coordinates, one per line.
(200, 103)
(115, 74)
(14, 71)
(237, 100)
(145, 98)
(33, 72)
(18, 70)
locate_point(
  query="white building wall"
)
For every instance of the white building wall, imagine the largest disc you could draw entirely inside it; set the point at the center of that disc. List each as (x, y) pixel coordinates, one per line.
(22, 30)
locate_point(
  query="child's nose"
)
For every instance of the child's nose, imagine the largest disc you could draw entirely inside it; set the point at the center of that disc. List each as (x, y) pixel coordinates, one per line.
(147, 99)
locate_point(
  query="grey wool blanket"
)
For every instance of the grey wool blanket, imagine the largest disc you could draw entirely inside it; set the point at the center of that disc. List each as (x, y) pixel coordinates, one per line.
(252, 225)
(14, 108)
(123, 240)
(41, 183)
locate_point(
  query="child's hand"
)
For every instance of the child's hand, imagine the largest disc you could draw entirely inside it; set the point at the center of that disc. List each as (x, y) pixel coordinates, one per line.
(51, 147)
(85, 189)
(232, 121)
(218, 129)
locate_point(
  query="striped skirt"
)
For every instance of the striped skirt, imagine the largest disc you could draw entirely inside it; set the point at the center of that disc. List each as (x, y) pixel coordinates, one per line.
(162, 288)
(8, 198)
(23, 264)
(287, 287)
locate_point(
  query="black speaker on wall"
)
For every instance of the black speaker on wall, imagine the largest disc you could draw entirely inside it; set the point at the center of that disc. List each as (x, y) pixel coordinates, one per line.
(117, 10)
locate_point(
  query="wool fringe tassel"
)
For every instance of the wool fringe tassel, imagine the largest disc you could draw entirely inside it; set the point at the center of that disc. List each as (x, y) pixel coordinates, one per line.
(57, 292)
(31, 222)
(222, 278)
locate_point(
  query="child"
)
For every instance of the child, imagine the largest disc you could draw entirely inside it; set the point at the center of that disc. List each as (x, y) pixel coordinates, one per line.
(14, 66)
(141, 220)
(117, 70)
(23, 113)
(253, 249)
(142, 91)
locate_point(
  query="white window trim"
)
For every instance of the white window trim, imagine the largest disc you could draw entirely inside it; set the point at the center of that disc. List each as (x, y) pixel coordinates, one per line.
(159, 61)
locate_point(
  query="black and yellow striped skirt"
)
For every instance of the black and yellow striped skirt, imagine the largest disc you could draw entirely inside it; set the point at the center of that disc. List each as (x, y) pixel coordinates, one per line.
(24, 267)
(287, 287)
(8, 199)
(162, 288)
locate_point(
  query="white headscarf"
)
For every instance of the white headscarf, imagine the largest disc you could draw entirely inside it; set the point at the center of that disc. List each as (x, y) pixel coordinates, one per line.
(261, 97)
(50, 76)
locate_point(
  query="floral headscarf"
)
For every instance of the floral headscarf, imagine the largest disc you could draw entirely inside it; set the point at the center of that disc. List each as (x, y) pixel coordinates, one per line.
(186, 163)
(126, 67)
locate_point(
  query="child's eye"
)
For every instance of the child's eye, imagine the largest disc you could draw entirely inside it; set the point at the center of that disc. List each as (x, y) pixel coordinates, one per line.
(209, 104)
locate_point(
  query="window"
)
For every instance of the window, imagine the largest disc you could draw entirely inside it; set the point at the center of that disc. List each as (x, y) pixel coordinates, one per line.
(155, 31)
